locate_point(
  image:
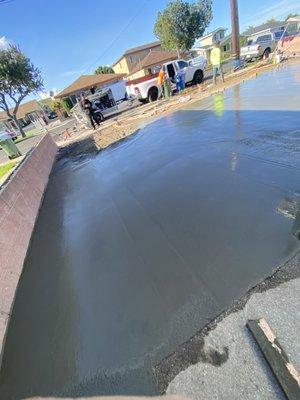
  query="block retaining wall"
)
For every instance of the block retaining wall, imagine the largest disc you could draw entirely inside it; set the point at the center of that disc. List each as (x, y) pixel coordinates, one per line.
(20, 200)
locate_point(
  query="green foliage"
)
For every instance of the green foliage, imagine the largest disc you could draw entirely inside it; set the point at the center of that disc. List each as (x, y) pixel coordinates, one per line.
(62, 106)
(243, 41)
(291, 16)
(57, 105)
(66, 104)
(270, 20)
(180, 23)
(104, 69)
(4, 169)
(47, 104)
(18, 78)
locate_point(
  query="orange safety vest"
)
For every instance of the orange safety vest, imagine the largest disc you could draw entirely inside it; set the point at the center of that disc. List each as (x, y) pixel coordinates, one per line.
(161, 78)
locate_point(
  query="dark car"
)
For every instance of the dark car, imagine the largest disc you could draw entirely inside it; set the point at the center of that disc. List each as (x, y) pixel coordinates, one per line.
(52, 115)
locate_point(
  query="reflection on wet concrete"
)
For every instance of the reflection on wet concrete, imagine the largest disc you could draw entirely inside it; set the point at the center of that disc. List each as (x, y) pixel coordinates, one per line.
(137, 248)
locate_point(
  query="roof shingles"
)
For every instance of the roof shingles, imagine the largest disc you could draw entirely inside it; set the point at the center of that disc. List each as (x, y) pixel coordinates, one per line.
(85, 82)
(24, 109)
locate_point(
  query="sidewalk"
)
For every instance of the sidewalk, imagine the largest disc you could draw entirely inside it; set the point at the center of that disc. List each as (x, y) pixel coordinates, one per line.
(244, 373)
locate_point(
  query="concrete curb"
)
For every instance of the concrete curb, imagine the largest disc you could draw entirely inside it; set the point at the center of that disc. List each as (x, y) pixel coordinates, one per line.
(20, 200)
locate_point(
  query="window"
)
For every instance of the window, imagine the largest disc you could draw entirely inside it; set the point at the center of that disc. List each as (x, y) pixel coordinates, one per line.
(263, 38)
(182, 64)
(280, 35)
(171, 70)
(221, 34)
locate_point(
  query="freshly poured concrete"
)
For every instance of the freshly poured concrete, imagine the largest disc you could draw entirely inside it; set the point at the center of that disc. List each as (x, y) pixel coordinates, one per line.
(139, 247)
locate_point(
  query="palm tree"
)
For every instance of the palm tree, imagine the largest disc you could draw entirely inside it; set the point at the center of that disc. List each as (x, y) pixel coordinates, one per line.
(104, 69)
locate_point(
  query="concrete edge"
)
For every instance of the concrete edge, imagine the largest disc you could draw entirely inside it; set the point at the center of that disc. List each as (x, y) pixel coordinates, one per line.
(20, 200)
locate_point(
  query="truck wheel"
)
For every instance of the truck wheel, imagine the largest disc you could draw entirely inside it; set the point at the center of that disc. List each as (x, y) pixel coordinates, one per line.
(99, 117)
(198, 77)
(152, 94)
(266, 53)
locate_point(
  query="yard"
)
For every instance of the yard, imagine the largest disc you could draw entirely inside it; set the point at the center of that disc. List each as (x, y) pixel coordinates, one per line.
(4, 169)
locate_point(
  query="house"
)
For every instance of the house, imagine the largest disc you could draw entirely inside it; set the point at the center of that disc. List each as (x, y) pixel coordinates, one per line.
(205, 44)
(151, 63)
(271, 26)
(211, 38)
(88, 84)
(28, 112)
(128, 61)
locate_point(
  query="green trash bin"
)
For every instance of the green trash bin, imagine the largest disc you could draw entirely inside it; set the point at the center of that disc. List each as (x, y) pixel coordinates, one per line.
(9, 148)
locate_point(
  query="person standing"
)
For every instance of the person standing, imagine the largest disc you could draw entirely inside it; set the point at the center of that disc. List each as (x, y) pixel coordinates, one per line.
(215, 59)
(88, 109)
(161, 80)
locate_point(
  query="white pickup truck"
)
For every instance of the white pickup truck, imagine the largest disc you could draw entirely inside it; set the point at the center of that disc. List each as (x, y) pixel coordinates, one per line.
(147, 89)
(262, 46)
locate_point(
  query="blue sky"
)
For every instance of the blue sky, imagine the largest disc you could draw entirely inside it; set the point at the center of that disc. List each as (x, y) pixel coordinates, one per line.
(66, 38)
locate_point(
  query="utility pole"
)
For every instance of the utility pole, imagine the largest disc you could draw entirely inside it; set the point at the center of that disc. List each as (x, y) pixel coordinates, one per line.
(235, 29)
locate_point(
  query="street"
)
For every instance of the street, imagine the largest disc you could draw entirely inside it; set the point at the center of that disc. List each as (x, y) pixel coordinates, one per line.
(26, 145)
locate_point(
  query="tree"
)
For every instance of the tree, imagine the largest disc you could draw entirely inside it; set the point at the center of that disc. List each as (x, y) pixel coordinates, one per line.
(180, 23)
(104, 69)
(291, 16)
(66, 104)
(243, 40)
(271, 20)
(18, 78)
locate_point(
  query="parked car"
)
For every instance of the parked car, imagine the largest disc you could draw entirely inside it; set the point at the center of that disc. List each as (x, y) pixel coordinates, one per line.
(52, 115)
(147, 89)
(9, 134)
(262, 46)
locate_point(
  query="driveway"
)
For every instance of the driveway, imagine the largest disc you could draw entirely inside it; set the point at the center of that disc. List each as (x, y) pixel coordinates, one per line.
(138, 247)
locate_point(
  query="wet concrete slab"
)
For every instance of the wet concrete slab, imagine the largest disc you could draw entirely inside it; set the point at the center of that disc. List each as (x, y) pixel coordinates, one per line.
(138, 247)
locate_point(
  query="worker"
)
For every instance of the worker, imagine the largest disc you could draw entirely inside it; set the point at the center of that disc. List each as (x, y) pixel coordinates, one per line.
(161, 79)
(215, 59)
(87, 107)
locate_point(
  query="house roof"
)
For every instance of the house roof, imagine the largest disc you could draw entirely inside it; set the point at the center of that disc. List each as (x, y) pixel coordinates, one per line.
(152, 58)
(138, 48)
(25, 108)
(85, 82)
(268, 25)
(142, 47)
(211, 33)
(226, 39)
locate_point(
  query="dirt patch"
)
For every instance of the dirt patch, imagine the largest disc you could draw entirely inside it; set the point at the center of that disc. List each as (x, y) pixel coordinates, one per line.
(81, 147)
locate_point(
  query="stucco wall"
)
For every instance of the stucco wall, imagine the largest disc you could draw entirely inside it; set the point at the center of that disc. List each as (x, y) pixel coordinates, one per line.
(121, 67)
(20, 199)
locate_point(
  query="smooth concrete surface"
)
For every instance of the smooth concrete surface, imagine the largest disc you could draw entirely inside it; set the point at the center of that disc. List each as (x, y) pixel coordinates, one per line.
(139, 247)
(20, 199)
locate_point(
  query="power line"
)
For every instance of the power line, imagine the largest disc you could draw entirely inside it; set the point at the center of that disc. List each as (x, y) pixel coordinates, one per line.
(117, 37)
(5, 1)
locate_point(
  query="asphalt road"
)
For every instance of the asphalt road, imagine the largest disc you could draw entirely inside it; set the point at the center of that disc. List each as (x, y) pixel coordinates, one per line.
(140, 246)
